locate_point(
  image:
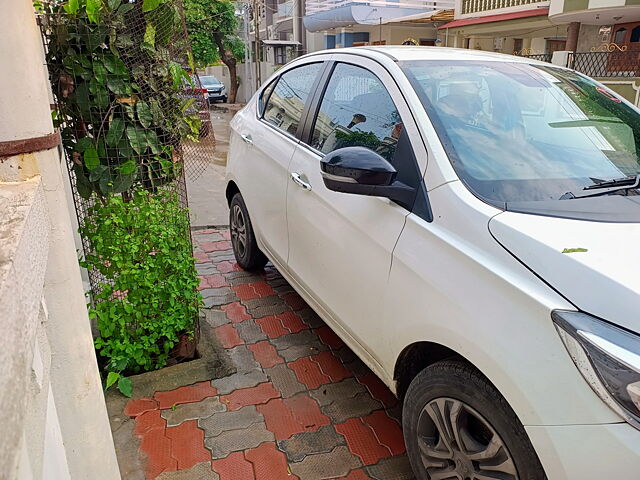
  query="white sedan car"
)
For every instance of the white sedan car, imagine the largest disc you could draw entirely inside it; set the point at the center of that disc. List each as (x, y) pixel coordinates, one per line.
(469, 224)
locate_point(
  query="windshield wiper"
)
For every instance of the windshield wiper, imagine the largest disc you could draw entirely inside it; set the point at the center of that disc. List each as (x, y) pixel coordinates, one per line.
(625, 183)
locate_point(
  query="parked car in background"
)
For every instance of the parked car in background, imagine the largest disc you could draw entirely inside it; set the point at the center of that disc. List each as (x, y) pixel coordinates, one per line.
(215, 88)
(468, 223)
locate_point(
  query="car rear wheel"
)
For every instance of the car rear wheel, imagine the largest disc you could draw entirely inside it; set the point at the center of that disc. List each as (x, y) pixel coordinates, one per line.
(243, 239)
(458, 426)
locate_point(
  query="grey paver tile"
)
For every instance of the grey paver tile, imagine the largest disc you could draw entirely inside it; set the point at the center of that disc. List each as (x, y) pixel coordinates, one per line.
(206, 268)
(311, 318)
(394, 468)
(236, 381)
(192, 411)
(209, 237)
(250, 332)
(296, 345)
(332, 392)
(284, 380)
(235, 440)
(242, 358)
(219, 422)
(200, 471)
(309, 443)
(337, 463)
(343, 409)
(261, 307)
(215, 317)
(241, 277)
(214, 297)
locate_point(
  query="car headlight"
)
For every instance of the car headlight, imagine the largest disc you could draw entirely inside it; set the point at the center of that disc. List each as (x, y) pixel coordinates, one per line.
(608, 358)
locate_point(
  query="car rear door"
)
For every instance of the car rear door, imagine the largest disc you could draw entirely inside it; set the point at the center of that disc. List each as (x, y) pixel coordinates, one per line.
(264, 144)
(341, 244)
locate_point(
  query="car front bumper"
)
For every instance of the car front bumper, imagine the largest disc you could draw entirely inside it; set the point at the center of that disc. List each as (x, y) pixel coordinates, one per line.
(588, 452)
(216, 96)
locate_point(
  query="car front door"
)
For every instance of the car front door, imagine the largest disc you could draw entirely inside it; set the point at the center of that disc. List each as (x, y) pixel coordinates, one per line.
(266, 145)
(341, 244)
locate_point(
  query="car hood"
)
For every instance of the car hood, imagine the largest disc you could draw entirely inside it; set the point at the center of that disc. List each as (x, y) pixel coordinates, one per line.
(598, 271)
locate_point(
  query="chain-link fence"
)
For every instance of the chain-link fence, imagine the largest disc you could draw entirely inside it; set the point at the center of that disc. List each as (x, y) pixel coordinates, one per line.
(134, 121)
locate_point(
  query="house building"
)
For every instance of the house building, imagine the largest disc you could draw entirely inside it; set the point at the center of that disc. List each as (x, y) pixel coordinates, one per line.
(345, 23)
(504, 26)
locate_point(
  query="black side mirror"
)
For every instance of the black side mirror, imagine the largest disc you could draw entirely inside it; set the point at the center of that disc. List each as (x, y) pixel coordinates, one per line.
(361, 171)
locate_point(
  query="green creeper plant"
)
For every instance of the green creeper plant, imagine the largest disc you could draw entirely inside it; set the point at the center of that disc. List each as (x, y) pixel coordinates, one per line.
(122, 107)
(149, 297)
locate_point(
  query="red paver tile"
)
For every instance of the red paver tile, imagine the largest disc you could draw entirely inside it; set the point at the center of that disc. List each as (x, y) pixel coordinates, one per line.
(249, 291)
(279, 419)
(187, 444)
(233, 467)
(294, 301)
(286, 417)
(272, 326)
(213, 281)
(205, 231)
(203, 284)
(362, 441)
(227, 266)
(148, 421)
(269, 463)
(265, 354)
(228, 336)
(355, 475)
(387, 430)
(226, 234)
(188, 394)
(215, 246)
(307, 412)
(135, 408)
(201, 257)
(157, 449)
(378, 389)
(292, 322)
(250, 396)
(236, 312)
(309, 373)
(329, 338)
(331, 366)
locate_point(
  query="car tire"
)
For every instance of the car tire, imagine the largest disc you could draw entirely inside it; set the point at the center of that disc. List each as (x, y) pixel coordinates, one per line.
(243, 239)
(482, 419)
(224, 99)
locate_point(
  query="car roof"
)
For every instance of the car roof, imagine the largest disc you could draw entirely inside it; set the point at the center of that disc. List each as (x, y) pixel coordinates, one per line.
(406, 52)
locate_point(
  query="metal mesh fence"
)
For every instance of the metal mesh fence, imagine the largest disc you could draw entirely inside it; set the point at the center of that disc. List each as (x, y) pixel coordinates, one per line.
(134, 121)
(543, 57)
(607, 64)
(130, 109)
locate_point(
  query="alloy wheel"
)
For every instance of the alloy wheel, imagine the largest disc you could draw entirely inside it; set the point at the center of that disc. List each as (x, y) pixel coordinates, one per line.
(456, 442)
(238, 231)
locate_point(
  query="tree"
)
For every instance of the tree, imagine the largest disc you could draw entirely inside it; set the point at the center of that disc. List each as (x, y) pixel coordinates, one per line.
(212, 26)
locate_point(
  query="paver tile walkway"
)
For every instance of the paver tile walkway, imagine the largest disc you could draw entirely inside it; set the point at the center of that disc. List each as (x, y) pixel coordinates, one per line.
(300, 406)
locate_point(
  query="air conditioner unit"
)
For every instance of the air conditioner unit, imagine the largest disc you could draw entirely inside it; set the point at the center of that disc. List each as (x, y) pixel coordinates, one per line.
(498, 42)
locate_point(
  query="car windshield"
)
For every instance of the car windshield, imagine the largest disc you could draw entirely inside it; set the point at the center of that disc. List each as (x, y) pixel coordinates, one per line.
(209, 80)
(516, 132)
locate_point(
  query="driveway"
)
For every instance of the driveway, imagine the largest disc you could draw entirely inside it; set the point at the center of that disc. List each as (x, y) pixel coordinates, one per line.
(205, 181)
(299, 404)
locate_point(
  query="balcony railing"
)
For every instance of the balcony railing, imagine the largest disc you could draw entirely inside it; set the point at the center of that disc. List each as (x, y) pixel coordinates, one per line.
(317, 6)
(475, 6)
(285, 10)
(607, 64)
(543, 57)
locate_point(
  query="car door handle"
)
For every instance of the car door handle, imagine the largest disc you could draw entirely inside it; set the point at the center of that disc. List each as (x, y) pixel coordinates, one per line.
(247, 139)
(296, 177)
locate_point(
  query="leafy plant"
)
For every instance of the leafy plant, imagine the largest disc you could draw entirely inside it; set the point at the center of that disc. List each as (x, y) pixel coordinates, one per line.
(149, 297)
(123, 107)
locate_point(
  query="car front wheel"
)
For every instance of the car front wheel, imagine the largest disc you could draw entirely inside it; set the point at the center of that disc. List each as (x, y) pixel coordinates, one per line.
(458, 426)
(243, 239)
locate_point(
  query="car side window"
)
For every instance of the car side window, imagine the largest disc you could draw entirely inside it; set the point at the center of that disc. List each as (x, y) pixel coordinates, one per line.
(287, 100)
(357, 110)
(264, 96)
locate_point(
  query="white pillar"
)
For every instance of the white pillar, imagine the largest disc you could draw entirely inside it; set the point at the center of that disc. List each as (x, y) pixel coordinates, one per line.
(74, 378)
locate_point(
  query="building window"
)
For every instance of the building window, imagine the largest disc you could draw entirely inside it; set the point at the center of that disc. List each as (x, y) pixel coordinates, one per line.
(635, 34)
(517, 46)
(620, 34)
(280, 54)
